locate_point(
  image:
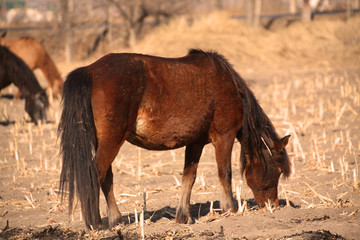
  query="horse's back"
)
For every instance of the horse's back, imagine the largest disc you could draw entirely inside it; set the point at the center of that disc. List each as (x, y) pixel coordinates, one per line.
(173, 100)
(27, 48)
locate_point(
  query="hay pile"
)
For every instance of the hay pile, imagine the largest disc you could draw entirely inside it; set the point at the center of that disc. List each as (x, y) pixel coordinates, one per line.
(321, 43)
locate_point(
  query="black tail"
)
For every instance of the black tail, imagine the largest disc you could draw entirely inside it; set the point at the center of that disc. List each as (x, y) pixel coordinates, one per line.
(78, 143)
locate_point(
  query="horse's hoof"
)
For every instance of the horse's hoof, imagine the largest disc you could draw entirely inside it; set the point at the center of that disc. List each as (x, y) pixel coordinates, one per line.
(184, 219)
(114, 222)
(190, 220)
(98, 226)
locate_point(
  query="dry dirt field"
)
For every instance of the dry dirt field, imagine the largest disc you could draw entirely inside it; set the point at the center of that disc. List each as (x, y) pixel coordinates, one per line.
(307, 79)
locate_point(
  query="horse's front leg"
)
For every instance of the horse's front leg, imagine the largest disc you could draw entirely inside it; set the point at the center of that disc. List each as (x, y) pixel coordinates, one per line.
(223, 147)
(192, 157)
(114, 216)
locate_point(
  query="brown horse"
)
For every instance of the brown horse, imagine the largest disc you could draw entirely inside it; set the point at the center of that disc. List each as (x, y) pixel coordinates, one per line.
(159, 104)
(35, 56)
(14, 70)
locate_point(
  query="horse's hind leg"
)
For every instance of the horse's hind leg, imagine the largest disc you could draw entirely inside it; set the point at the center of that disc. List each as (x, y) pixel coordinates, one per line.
(110, 139)
(223, 147)
(192, 157)
(105, 155)
(114, 215)
(113, 117)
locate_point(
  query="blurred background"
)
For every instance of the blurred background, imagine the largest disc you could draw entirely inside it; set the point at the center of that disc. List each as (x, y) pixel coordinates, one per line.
(84, 29)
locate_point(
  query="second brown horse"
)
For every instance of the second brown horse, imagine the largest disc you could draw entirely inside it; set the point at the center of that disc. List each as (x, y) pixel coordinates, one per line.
(35, 56)
(159, 104)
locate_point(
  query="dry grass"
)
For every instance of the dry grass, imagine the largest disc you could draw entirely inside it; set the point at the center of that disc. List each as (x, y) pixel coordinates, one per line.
(322, 43)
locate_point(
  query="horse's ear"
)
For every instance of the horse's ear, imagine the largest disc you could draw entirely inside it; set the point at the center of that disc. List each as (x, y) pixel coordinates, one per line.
(281, 144)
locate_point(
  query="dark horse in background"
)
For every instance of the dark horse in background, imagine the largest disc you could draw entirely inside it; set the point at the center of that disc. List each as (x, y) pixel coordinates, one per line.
(159, 104)
(14, 70)
(34, 54)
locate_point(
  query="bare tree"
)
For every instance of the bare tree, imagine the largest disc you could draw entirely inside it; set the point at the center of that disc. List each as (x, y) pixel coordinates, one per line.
(219, 4)
(249, 12)
(253, 12)
(65, 27)
(257, 13)
(135, 12)
(306, 11)
(351, 6)
(292, 6)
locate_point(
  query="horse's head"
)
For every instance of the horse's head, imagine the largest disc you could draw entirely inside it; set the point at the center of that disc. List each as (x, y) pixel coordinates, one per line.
(35, 106)
(263, 171)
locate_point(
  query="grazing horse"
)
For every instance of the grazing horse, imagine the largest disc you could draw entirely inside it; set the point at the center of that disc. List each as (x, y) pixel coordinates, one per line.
(160, 104)
(14, 70)
(35, 56)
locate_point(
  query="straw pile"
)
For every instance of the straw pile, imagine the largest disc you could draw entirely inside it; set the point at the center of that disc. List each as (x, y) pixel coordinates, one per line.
(325, 43)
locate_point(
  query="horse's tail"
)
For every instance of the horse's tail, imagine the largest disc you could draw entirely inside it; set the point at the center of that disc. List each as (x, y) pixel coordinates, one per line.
(78, 143)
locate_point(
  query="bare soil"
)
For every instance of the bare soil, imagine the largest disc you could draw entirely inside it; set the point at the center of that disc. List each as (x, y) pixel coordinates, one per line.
(317, 103)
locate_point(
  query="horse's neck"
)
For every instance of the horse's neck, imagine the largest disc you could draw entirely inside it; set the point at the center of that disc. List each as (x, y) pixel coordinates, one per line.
(26, 82)
(27, 86)
(49, 69)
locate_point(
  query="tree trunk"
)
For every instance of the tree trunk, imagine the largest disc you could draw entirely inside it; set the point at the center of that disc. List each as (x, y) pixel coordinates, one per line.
(131, 39)
(306, 12)
(292, 6)
(253, 12)
(249, 12)
(67, 7)
(348, 9)
(257, 13)
(219, 4)
(109, 22)
(357, 4)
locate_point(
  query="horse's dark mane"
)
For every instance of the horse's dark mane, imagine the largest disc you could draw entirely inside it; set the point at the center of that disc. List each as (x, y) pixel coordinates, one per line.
(195, 51)
(18, 73)
(256, 123)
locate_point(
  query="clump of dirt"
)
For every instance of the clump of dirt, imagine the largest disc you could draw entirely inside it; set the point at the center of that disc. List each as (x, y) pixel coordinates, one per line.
(49, 232)
(52, 233)
(317, 235)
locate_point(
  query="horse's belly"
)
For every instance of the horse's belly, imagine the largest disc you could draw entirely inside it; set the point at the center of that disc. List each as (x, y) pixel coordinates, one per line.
(164, 134)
